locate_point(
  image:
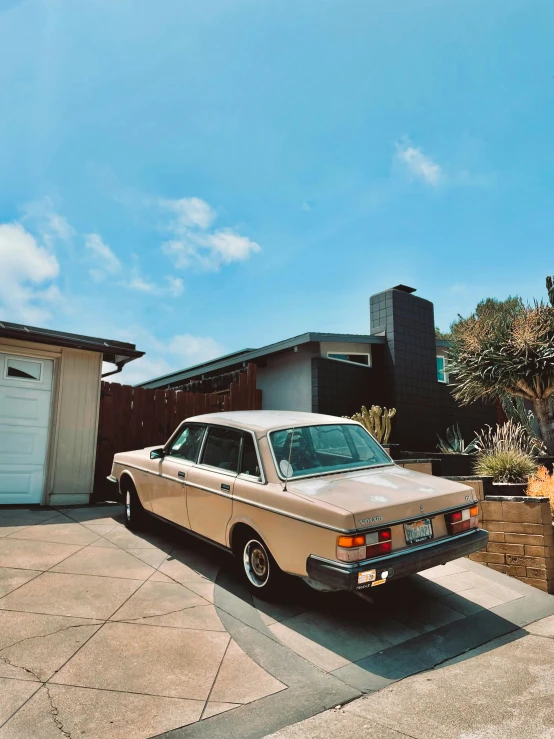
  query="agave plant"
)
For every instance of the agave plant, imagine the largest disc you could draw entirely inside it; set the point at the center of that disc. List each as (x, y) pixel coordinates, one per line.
(454, 442)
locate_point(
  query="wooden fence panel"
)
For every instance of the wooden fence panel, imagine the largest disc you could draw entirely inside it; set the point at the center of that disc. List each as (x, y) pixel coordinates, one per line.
(134, 418)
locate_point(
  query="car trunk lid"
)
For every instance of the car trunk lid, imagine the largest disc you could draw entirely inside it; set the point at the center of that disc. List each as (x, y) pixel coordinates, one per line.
(384, 495)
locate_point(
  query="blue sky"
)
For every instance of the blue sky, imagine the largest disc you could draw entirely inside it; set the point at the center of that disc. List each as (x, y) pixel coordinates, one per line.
(199, 177)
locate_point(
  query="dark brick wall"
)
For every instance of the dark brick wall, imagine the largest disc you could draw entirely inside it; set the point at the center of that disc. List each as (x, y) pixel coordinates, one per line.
(410, 359)
(340, 389)
(425, 407)
(471, 418)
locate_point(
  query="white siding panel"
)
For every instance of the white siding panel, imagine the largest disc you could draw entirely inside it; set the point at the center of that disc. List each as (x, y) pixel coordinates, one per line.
(77, 423)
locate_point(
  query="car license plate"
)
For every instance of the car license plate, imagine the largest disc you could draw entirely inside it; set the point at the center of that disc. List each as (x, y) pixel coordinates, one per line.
(418, 531)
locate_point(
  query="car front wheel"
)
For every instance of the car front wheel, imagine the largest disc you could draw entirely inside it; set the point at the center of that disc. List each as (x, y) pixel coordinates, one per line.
(135, 515)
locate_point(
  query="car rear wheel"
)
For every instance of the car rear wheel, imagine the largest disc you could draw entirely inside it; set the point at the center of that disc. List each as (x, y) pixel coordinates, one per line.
(135, 515)
(259, 569)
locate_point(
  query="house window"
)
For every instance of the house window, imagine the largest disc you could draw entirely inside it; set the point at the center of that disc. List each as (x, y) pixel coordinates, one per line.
(352, 357)
(24, 369)
(442, 373)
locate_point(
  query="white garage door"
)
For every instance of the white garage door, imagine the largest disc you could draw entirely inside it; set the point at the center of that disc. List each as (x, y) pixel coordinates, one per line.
(25, 395)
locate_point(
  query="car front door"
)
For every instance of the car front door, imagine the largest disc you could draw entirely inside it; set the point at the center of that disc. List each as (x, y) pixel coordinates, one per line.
(170, 495)
(210, 483)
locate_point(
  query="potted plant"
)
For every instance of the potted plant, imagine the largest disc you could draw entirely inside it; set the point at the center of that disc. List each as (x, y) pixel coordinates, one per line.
(455, 454)
(508, 455)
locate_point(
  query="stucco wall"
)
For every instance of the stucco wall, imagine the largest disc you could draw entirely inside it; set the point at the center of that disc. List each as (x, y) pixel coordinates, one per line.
(286, 382)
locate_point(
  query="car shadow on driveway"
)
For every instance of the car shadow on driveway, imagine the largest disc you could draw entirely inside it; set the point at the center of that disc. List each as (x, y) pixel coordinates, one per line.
(413, 624)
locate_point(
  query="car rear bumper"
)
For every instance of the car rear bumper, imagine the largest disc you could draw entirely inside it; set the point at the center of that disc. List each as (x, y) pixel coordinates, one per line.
(344, 576)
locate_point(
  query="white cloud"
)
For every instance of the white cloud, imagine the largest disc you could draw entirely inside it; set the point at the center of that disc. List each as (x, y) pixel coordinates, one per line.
(27, 268)
(162, 357)
(418, 164)
(194, 349)
(175, 286)
(193, 242)
(107, 262)
(138, 283)
(189, 212)
(51, 225)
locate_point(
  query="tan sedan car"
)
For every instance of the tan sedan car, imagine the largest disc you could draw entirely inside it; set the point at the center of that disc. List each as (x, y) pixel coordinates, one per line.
(306, 494)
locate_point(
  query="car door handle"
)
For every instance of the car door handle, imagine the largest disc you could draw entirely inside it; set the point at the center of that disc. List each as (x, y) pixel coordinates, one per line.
(225, 487)
(182, 475)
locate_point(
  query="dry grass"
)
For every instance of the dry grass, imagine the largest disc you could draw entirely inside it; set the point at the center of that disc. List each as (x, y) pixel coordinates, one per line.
(542, 485)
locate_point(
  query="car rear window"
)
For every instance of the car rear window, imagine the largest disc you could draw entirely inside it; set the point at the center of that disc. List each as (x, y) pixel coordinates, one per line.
(312, 450)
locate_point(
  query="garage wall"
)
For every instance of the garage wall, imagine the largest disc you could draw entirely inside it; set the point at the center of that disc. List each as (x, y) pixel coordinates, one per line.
(76, 427)
(73, 419)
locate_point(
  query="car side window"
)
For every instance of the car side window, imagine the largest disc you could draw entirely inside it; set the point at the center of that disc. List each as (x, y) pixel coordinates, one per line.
(222, 448)
(249, 465)
(187, 444)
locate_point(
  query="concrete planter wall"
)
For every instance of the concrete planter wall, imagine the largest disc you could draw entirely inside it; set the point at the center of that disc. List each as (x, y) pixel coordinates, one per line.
(521, 542)
(510, 489)
(446, 465)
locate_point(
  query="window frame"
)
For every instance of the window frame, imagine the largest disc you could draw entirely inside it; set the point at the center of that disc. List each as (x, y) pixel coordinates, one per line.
(24, 379)
(391, 463)
(261, 480)
(444, 369)
(176, 435)
(229, 473)
(347, 361)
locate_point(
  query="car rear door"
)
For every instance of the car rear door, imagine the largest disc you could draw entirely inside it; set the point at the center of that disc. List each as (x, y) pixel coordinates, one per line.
(210, 483)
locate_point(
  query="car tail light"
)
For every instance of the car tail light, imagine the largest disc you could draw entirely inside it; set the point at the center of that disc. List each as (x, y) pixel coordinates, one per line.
(463, 520)
(355, 548)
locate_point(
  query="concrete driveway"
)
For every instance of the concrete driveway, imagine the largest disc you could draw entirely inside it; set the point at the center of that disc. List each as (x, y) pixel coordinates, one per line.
(109, 635)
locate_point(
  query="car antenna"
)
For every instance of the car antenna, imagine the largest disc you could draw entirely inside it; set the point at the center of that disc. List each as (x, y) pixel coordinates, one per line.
(290, 455)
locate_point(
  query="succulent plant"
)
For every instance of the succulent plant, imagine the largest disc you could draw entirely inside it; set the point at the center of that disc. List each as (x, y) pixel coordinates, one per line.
(376, 420)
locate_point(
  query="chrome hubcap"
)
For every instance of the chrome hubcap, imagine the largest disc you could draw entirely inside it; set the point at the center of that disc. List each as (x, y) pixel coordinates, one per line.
(256, 563)
(128, 505)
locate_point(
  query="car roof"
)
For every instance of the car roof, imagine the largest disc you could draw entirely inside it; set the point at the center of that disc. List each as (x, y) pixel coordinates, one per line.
(267, 420)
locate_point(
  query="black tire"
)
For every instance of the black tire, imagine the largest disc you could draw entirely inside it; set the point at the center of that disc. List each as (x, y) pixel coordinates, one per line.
(258, 568)
(136, 518)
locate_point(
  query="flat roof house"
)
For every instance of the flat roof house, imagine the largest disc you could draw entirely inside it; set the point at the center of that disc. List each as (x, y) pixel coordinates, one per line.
(49, 401)
(398, 363)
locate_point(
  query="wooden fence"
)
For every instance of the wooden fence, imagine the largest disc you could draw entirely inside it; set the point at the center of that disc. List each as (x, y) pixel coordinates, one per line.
(136, 417)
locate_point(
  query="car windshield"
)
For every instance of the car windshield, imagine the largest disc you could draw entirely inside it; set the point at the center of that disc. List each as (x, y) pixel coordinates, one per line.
(315, 450)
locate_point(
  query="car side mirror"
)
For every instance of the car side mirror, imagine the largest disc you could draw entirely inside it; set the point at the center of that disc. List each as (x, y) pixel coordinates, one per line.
(157, 453)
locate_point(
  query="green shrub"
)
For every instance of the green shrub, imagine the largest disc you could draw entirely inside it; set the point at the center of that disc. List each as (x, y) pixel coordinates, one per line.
(505, 466)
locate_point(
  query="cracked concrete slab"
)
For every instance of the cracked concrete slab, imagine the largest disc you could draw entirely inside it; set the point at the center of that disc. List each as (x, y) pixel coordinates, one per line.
(158, 599)
(39, 555)
(104, 561)
(13, 694)
(40, 656)
(188, 633)
(11, 579)
(99, 714)
(241, 680)
(186, 661)
(64, 532)
(59, 594)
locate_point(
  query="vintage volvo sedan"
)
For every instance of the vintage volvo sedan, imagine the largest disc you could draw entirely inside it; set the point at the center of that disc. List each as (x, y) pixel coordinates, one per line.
(300, 493)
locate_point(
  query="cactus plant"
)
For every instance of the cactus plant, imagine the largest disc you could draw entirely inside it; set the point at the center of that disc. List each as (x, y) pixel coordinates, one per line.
(376, 420)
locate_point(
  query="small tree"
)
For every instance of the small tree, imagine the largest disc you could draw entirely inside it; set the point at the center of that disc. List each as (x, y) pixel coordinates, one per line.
(507, 348)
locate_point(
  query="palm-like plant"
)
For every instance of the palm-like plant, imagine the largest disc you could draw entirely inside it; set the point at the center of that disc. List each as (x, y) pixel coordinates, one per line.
(507, 349)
